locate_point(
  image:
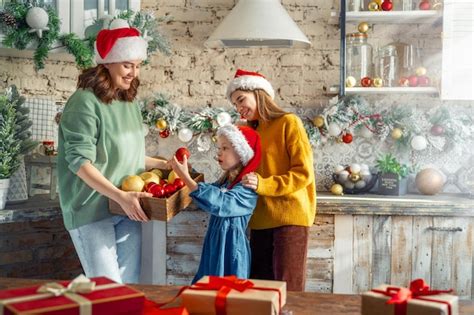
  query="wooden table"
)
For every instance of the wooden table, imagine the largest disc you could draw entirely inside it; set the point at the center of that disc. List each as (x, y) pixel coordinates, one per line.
(300, 303)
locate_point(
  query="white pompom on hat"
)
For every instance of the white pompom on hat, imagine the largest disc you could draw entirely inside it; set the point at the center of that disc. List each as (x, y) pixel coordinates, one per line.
(119, 43)
(249, 81)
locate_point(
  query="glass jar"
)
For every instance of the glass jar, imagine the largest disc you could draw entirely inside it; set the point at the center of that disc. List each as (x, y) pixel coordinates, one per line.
(386, 65)
(403, 5)
(358, 56)
(355, 5)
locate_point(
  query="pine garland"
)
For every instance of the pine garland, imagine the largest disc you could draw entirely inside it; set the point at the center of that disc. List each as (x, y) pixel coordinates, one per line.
(79, 49)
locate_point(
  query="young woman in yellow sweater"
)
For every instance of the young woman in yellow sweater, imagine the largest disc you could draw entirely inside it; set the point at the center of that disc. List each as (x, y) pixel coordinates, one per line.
(284, 181)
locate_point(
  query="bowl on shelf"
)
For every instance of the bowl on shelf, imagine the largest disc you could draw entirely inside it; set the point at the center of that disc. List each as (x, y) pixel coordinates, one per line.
(356, 185)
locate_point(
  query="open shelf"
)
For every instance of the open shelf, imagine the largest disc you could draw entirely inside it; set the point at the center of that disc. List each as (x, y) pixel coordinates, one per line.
(387, 17)
(385, 90)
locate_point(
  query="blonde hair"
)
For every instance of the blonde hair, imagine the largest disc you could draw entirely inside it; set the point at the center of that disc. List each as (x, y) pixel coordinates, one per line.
(229, 176)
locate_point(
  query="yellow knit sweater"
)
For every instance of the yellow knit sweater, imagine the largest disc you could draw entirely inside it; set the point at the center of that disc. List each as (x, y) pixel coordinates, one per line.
(286, 184)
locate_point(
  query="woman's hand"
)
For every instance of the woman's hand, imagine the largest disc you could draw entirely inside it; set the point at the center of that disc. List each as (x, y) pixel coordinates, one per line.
(130, 203)
(250, 180)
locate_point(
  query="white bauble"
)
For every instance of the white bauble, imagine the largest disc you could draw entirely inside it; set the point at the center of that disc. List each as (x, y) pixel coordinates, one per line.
(334, 129)
(338, 169)
(364, 167)
(118, 23)
(418, 143)
(185, 134)
(37, 18)
(365, 175)
(366, 133)
(343, 175)
(360, 184)
(355, 168)
(223, 119)
(349, 185)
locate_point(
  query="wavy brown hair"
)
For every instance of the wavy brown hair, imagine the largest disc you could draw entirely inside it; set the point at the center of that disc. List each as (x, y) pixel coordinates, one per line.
(266, 107)
(99, 81)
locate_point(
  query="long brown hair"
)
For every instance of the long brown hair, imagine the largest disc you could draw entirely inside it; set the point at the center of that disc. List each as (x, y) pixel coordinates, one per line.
(99, 81)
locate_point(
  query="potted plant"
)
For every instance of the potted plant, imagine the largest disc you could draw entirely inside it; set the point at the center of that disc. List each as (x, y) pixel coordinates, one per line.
(15, 137)
(392, 175)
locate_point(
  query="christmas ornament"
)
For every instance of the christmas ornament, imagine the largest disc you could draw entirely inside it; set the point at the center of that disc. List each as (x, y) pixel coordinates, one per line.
(366, 82)
(396, 133)
(338, 169)
(437, 130)
(360, 184)
(343, 176)
(165, 133)
(8, 19)
(429, 181)
(223, 119)
(420, 71)
(203, 143)
(423, 80)
(185, 135)
(347, 138)
(351, 81)
(379, 2)
(403, 81)
(349, 185)
(355, 168)
(214, 138)
(318, 121)
(354, 177)
(373, 6)
(37, 19)
(387, 5)
(424, 5)
(366, 133)
(378, 82)
(418, 143)
(363, 27)
(161, 124)
(334, 129)
(337, 189)
(413, 81)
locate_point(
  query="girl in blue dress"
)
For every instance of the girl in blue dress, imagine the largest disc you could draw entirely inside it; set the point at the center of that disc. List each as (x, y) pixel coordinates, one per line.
(226, 249)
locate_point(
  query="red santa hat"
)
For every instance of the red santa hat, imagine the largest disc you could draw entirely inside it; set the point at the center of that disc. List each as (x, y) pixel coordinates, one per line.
(119, 43)
(246, 142)
(249, 81)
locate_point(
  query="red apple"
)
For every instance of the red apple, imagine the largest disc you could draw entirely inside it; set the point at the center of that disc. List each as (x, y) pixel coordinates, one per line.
(423, 80)
(157, 191)
(149, 186)
(424, 5)
(181, 152)
(169, 189)
(179, 183)
(413, 80)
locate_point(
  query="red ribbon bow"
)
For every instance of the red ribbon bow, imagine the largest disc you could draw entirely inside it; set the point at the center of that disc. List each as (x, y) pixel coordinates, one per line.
(418, 289)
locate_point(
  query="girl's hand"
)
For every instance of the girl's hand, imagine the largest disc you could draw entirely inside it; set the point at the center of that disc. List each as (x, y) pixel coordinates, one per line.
(181, 169)
(250, 180)
(130, 203)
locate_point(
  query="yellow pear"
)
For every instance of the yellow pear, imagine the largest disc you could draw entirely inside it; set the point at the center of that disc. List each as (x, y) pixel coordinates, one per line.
(150, 177)
(133, 183)
(172, 176)
(158, 172)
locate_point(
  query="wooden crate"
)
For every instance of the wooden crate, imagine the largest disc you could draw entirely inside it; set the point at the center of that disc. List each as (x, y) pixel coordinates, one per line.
(162, 209)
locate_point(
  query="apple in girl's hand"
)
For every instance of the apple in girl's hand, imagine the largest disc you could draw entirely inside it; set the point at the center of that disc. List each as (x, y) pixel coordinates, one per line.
(179, 183)
(181, 152)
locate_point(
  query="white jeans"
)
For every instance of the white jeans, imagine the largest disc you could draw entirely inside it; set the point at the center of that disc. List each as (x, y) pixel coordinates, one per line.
(110, 248)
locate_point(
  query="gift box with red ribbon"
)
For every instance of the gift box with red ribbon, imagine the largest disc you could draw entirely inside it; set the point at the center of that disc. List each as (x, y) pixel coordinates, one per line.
(233, 296)
(82, 296)
(418, 299)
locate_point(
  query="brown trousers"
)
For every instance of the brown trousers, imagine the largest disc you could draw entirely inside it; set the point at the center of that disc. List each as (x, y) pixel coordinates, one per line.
(280, 254)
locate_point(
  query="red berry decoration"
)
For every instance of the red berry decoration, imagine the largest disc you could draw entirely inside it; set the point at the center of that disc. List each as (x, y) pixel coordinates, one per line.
(366, 82)
(423, 80)
(165, 133)
(437, 130)
(347, 138)
(181, 153)
(424, 5)
(387, 5)
(413, 80)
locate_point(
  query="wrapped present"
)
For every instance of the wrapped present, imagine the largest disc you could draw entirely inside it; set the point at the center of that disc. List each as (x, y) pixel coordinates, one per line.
(232, 296)
(82, 296)
(419, 299)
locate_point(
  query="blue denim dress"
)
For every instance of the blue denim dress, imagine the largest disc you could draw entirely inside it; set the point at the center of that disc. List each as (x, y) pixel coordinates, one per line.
(226, 249)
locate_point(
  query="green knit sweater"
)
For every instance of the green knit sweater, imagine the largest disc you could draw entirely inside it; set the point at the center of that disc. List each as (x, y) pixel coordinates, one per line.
(111, 137)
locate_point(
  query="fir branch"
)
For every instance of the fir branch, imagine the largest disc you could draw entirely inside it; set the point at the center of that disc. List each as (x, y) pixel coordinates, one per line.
(79, 49)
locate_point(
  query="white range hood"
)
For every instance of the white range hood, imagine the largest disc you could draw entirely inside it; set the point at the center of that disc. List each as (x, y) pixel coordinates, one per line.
(258, 23)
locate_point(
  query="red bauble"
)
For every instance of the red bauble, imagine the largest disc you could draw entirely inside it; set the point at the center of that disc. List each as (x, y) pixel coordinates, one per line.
(424, 5)
(437, 130)
(181, 152)
(387, 5)
(366, 82)
(165, 133)
(413, 80)
(423, 80)
(347, 138)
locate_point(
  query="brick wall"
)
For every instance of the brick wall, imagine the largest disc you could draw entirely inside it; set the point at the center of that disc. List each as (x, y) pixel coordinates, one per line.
(41, 249)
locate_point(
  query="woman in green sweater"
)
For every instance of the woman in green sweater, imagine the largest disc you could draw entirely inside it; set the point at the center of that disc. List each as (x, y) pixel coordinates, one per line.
(101, 141)
(284, 181)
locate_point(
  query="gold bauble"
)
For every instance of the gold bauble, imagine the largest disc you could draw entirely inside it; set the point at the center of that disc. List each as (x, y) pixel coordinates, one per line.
(337, 189)
(214, 138)
(161, 124)
(379, 2)
(429, 181)
(397, 133)
(373, 6)
(363, 27)
(318, 121)
(354, 177)
(420, 71)
(350, 81)
(377, 82)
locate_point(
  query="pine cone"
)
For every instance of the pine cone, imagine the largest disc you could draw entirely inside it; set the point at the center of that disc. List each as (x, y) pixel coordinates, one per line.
(7, 19)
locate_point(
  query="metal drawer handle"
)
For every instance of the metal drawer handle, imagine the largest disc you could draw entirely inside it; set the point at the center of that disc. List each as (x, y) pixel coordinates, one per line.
(445, 229)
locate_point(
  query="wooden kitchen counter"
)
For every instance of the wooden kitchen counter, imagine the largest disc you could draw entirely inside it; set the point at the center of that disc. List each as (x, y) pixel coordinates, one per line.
(300, 303)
